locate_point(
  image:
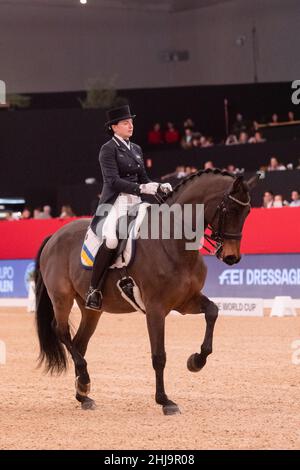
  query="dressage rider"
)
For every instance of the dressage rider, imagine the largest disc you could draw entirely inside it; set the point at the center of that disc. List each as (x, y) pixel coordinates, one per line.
(124, 180)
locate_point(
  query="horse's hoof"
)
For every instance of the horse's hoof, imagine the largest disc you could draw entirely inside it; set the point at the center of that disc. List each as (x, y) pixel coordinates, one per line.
(88, 404)
(192, 363)
(171, 410)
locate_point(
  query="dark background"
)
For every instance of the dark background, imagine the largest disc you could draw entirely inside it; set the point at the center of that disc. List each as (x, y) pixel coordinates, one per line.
(205, 104)
(46, 154)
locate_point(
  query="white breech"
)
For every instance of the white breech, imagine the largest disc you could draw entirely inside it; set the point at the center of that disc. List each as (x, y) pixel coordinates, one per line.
(120, 207)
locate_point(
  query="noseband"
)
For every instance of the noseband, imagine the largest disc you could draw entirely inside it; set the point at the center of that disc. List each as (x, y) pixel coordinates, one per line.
(218, 235)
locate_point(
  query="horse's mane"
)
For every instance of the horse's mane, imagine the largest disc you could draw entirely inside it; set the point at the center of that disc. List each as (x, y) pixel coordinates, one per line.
(186, 179)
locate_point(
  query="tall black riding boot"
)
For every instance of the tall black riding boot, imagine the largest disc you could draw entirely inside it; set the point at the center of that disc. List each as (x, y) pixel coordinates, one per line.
(103, 260)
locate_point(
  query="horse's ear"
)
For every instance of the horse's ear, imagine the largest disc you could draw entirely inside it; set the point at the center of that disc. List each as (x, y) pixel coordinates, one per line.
(252, 182)
(237, 183)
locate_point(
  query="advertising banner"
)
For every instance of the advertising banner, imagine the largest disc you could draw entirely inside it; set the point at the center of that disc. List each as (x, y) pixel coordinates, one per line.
(255, 276)
(14, 277)
(239, 307)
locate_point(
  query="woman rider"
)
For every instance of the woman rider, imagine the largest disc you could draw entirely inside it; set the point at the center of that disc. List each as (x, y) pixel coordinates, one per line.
(124, 180)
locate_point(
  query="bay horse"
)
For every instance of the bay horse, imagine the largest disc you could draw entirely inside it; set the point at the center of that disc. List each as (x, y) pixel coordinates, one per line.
(175, 283)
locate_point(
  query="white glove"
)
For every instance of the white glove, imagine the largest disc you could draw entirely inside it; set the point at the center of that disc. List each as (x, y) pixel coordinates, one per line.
(149, 188)
(166, 188)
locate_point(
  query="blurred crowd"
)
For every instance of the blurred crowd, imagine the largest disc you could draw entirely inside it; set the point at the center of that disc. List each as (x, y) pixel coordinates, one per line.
(187, 136)
(276, 200)
(44, 212)
(269, 199)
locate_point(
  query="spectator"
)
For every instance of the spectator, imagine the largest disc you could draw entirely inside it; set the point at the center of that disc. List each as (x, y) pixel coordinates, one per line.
(36, 213)
(171, 134)
(257, 138)
(274, 165)
(231, 168)
(268, 199)
(9, 216)
(66, 212)
(234, 170)
(243, 138)
(295, 197)
(26, 213)
(240, 125)
(46, 214)
(187, 139)
(298, 166)
(196, 140)
(178, 173)
(274, 119)
(208, 165)
(263, 169)
(205, 141)
(188, 123)
(155, 135)
(188, 170)
(278, 200)
(31, 299)
(231, 140)
(291, 116)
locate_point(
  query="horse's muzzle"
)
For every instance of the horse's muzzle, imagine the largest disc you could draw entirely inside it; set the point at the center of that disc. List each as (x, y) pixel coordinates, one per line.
(231, 259)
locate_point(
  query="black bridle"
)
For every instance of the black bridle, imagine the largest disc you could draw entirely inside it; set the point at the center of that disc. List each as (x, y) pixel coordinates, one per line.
(218, 234)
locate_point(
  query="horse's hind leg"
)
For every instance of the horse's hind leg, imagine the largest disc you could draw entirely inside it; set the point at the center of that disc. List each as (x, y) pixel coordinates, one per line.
(203, 304)
(80, 342)
(62, 304)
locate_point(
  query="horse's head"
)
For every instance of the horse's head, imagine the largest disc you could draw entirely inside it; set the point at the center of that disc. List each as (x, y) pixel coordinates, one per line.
(228, 220)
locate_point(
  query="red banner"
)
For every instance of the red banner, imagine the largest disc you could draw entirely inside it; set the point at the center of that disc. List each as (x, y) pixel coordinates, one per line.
(266, 231)
(275, 230)
(21, 239)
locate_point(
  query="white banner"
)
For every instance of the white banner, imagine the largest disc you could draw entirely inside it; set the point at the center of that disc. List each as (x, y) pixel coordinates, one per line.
(2, 92)
(239, 307)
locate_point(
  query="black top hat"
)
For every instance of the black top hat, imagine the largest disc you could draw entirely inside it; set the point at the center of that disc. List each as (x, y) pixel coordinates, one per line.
(118, 114)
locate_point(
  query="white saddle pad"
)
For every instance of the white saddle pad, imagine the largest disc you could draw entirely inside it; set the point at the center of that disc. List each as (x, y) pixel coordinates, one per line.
(92, 243)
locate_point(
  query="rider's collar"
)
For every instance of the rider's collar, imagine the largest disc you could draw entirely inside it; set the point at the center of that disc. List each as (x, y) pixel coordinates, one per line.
(116, 137)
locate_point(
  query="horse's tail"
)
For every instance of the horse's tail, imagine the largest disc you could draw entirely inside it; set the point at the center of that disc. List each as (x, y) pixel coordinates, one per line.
(52, 351)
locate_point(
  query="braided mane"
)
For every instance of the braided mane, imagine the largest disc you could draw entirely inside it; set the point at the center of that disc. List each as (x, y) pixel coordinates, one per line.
(186, 179)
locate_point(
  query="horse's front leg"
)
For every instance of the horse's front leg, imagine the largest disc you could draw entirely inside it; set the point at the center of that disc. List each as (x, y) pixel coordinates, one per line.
(156, 330)
(198, 304)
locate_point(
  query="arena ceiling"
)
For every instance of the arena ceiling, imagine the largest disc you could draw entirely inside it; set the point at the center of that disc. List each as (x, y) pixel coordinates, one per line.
(160, 5)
